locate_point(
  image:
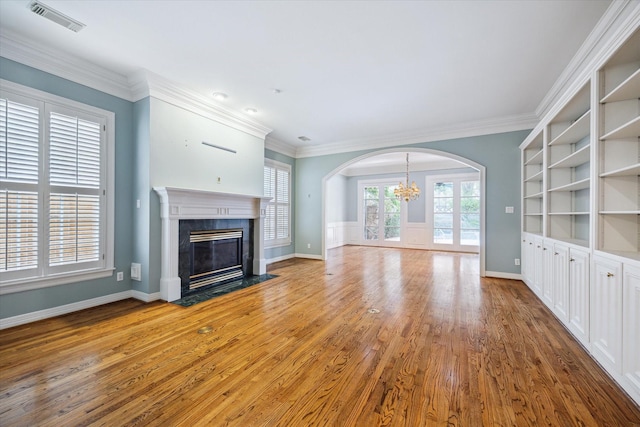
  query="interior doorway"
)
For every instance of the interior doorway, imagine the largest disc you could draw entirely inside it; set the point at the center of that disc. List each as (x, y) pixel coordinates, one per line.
(365, 182)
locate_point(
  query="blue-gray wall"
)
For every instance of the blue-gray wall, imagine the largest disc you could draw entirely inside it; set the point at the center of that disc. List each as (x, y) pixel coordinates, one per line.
(499, 153)
(41, 299)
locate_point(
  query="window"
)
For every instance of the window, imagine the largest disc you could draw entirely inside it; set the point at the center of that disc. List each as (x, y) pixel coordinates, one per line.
(277, 185)
(56, 185)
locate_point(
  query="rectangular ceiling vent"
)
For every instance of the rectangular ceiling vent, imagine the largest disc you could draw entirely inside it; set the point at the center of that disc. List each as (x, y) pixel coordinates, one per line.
(51, 14)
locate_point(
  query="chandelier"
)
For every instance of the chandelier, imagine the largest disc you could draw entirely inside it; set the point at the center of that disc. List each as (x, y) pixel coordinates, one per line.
(406, 192)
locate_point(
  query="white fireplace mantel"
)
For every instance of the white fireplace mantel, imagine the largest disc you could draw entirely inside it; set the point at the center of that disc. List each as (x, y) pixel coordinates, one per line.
(181, 203)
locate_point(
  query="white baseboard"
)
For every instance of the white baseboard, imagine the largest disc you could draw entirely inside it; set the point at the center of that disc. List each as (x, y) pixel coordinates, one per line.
(280, 258)
(63, 309)
(501, 275)
(145, 297)
(21, 319)
(308, 256)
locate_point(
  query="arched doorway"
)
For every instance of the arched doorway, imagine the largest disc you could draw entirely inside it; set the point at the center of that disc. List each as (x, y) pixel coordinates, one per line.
(329, 195)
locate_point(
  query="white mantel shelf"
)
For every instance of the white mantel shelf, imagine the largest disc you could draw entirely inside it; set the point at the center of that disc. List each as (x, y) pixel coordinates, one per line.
(180, 203)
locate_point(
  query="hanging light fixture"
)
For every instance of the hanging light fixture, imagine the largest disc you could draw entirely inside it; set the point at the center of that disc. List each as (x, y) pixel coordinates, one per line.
(406, 192)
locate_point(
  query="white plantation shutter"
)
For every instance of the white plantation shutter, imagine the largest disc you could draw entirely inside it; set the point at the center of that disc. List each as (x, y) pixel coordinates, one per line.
(277, 185)
(56, 213)
(19, 169)
(75, 175)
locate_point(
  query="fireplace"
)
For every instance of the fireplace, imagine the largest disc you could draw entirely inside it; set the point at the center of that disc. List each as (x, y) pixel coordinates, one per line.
(184, 211)
(214, 251)
(215, 257)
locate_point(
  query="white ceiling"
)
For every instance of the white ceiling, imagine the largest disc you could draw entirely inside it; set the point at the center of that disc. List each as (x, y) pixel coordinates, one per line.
(348, 71)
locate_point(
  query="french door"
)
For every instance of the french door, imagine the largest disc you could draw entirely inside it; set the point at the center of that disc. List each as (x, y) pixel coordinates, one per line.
(381, 214)
(453, 212)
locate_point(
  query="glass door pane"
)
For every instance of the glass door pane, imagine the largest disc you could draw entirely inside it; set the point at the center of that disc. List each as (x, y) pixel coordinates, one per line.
(443, 213)
(391, 214)
(371, 212)
(470, 213)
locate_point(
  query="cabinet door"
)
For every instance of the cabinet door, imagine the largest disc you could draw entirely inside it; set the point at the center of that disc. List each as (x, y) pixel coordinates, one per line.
(561, 282)
(538, 262)
(579, 294)
(631, 326)
(606, 312)
(547, 280)
(529, 262)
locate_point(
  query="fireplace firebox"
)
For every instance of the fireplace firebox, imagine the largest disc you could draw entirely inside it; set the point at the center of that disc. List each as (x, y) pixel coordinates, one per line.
(213, 252)
(216, 257)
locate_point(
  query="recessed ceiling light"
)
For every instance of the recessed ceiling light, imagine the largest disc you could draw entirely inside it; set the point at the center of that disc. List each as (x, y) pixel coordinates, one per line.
(304, 138)
(251, 111)
(219, 96)
(276, 91)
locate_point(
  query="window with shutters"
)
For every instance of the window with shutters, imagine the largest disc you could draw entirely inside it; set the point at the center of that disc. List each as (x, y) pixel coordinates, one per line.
(277, 185)
(56, 202)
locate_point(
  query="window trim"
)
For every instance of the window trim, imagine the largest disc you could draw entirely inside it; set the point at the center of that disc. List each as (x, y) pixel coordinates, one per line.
(106, 269)
(274, 243)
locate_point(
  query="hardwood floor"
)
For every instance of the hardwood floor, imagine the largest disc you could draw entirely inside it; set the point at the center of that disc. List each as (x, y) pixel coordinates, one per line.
(372, 337)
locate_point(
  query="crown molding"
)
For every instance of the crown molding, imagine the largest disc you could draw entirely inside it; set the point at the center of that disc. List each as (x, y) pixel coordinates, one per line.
(144, 83)
(62, 64)
(279, 146)
(619, 21)
(476, 128)
(131, 88)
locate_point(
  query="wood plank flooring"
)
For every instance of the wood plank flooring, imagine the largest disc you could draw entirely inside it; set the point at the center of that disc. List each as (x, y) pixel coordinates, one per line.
(372, 337)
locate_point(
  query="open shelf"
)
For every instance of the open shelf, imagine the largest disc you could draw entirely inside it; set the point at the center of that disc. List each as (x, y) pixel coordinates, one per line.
(628, 89)
(568, 213)
(630, 129)
(535, 178)
(574, 186)
(630, 170)
(536, 158)
(578, 130)
(574, 159)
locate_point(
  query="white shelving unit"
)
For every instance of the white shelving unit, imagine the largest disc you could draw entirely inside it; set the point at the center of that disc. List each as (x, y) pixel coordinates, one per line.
(619, 152)
(581, 212)
(569, 170)
(533, 185)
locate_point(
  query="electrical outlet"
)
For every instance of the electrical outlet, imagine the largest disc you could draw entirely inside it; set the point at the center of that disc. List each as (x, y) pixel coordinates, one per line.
(517, 261)
(120, 276)
(508, 209)
(308, 245)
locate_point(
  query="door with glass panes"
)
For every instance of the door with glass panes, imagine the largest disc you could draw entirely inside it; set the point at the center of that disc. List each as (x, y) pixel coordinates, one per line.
(381, 214)
(453, 212)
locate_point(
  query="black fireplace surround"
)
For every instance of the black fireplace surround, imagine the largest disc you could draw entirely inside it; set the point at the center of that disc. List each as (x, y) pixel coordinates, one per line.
(188, 249)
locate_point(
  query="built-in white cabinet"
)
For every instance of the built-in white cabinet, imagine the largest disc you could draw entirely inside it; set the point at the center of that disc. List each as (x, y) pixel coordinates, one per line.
(548, 287)
(579, 294)
(581, 207)
(606, 312)
(631, 326)
(561, 281)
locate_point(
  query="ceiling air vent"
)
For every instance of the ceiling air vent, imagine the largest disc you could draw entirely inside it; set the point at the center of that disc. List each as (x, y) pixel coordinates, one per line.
(51, 14)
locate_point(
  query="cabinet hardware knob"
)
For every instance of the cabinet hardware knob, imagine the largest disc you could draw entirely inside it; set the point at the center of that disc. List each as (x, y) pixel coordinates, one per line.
(609, 274)
(530, 243)
(572, 260)
(556, 253)
(544, 249)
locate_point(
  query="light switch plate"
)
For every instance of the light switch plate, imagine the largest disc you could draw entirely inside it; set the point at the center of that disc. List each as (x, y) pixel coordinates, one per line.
(508, 209)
